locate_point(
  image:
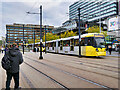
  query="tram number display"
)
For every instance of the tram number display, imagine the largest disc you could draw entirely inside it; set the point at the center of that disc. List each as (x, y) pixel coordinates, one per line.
(98, 35)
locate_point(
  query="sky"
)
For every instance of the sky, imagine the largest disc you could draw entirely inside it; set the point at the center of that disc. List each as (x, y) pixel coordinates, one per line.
(14, 11)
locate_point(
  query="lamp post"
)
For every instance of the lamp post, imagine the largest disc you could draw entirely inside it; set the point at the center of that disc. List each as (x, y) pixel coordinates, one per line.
(6, 43)
(79, 32)
(34, 39)
(45, 38)
(41, 57)
(23, 38)
(40, 33)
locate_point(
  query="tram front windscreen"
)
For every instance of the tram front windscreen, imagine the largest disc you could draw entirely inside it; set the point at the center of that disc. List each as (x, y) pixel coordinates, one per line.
(99, 42)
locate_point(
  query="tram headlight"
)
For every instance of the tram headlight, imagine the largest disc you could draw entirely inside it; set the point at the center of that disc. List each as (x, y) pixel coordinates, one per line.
(97, 50)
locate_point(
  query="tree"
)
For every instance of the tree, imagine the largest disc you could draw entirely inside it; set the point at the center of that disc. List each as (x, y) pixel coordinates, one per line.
(96, 29)
(68, 34)
(50, 36)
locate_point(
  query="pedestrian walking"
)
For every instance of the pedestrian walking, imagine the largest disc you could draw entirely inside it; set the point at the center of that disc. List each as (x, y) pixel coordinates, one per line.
(106, 49)
(110, 49)
(37, 49)
(16, 59)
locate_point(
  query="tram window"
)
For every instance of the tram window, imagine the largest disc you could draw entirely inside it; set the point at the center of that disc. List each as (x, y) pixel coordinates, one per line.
(59, 44)
(72, 41)
(54, 44)
(93, 42)
(76, 42)
(48, 44)
(90, 41)
(51, 44)
(82, 42)
(66, 43)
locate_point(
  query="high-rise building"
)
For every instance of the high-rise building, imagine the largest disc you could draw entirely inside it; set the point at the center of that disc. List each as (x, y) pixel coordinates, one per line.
(15, 32)
(100, 12)
(92, 10)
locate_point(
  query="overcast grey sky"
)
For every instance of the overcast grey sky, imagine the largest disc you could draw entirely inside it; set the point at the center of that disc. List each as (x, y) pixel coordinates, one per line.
(54, 12)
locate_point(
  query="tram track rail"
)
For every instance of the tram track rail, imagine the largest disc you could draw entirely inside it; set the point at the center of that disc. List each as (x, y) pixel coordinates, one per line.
(95, 63)
(84, 63)
(60, 84)
(89, 66)
(98, 64)
(72, 74)
(98, 67)
(27, 80)
(80, 69)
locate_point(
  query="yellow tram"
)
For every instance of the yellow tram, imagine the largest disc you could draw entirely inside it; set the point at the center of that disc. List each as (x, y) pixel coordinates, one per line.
(93, 44)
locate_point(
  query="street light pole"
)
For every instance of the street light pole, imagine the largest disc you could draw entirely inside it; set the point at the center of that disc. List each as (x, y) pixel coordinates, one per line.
(79, 32)
(40, 33)
(40, 30)
(23, 38)
(45, 38)
(6, 42)
(34, 39)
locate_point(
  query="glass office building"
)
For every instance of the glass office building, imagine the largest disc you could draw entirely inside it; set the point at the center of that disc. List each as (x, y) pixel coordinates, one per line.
(92, 10)
(15, 32)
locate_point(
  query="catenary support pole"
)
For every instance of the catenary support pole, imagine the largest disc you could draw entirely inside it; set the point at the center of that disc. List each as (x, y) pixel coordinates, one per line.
(79, 33)
(23, 39)
(41, 57)
(45, 38)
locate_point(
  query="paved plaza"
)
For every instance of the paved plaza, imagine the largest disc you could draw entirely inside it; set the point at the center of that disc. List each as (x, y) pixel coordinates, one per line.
(63, 71)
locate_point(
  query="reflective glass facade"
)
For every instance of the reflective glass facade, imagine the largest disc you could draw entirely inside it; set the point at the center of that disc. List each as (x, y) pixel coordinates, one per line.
(92, 10)
(15, 32)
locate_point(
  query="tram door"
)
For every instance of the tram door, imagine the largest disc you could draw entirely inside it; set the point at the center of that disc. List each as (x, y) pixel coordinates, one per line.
(71, 44)
(53, 45)
(61, 45)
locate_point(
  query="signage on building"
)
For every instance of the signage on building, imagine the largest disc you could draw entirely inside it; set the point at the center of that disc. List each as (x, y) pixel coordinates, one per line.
(71, 26)
(114, 23)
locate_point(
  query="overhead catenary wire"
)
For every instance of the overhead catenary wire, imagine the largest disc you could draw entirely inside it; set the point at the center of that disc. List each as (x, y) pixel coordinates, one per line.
(31, 9)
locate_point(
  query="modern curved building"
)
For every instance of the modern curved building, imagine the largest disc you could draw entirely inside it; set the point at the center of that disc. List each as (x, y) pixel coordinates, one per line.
(93, 10)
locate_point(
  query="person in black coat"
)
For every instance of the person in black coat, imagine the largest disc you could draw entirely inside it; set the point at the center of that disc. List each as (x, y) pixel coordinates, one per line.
(110, 49)
(16, 59)
(37, 49)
